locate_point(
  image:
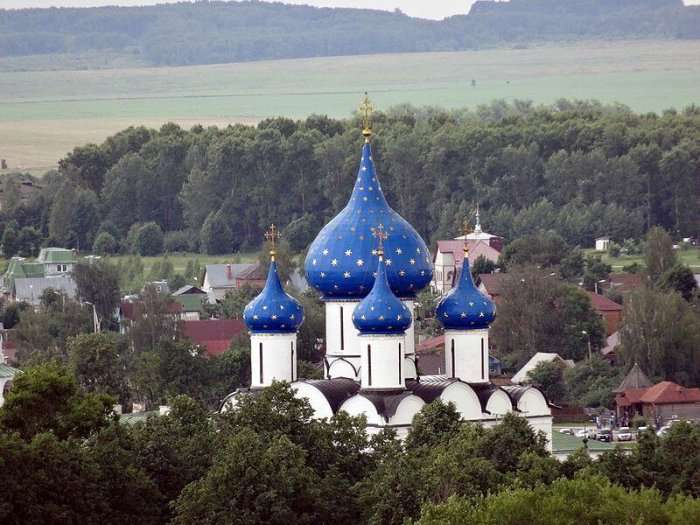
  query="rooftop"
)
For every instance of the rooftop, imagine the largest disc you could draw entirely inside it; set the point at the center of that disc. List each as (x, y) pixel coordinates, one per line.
(56, 255)
(215, 335)
(603, 304)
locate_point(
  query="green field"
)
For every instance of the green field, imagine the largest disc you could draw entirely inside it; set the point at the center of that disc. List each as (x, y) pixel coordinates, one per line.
(43, 114)
(688, 257)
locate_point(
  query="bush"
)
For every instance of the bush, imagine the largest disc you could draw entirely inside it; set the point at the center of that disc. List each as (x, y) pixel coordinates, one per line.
(179, 241)
(105, 244)
(149, 239)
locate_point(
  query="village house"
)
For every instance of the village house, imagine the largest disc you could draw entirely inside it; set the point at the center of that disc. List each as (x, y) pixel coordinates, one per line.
(659, 403)
(192, 300)
(213, 335)
(608, 310)
(602, 244)
(26, 281)
(222, 278)
(521, 376)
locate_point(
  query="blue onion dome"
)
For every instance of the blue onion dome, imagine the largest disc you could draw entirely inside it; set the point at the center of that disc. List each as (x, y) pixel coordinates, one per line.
(465, 307)
(340, 262)
(273, 311)
(381, 312)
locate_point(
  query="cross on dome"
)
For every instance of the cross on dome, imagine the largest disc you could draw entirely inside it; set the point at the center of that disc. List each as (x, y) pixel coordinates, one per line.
(272, 235)
(366, 110)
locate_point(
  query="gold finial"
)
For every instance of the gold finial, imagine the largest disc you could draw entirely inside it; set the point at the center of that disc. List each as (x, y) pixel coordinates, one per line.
(366, 109)
(381, 236)
(466, 230)
(272, 235)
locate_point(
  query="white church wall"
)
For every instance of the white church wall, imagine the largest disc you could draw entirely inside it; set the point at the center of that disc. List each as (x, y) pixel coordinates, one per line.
(273, 357)
(499, 403)
(319, 403)
(358, 405)
(465, 400)
(533, 403)
(405, 412)
(410, 371)
(382, 361)
(470, 351)
(342, 338)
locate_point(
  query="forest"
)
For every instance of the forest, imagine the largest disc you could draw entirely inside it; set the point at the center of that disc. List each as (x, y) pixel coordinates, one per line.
(220, 32)
(579, 169)
(270, 462)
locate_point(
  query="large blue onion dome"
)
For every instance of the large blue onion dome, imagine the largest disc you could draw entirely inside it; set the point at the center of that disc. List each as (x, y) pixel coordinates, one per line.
(465, 307)
(273, 311)
(381, 312)
(340, 262)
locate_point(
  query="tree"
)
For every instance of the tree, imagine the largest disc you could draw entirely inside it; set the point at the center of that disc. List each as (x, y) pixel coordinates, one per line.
(659, 255)
(590, 383)
(99, 363)
(10, 240)
(98, 283)
(253, 480)
(679, 278)
(661, 332)
(482, 265)
(149, 239)
(596, 271)
(105, 244)
(548, 376)
(436, 423)
(215, 236)
(539, 313)
(544, 250)
(47, 398)
(28, 241)
(236, 300)
(153, 323)
(586, 499)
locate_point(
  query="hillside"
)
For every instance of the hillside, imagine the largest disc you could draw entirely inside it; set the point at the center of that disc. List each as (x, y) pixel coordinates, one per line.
(222, 32)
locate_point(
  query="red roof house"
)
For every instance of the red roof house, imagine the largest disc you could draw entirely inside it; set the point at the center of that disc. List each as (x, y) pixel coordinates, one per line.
(214, 335)
(609, 310)
(659, 403)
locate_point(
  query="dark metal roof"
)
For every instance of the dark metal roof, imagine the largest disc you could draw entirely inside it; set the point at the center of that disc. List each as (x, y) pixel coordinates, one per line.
(386, 402)
(431, 389)
(336, 391)
(484, 391)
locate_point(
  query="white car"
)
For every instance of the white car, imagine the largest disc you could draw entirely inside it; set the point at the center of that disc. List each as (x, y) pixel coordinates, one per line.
(566, 431)
(581, 433)
(624, 434)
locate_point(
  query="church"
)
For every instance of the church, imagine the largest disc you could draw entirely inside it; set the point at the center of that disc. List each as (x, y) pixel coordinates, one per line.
(368, 264)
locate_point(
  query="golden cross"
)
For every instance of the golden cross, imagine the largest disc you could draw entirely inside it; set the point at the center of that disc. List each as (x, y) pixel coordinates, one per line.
(366, 109)
(381, 236)
(466, 230)
(272, 235)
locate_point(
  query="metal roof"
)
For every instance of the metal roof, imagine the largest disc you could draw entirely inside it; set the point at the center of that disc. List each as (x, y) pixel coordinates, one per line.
(29, 289)
(56, 255)
(225, 275)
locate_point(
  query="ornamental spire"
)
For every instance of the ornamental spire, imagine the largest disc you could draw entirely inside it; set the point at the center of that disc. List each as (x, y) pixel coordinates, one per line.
(381, 236)
(466, 230)
(366, 109)
(272, 235)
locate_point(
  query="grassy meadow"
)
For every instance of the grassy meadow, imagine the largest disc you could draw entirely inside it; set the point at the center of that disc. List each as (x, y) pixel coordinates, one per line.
(689, 257)
(43, 114)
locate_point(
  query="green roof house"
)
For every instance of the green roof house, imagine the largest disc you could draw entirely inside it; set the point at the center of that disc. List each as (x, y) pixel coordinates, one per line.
(192, 300)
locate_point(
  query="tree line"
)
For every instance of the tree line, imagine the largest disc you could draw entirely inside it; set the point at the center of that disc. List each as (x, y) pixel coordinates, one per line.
(219, 32)
(580, 169)
(69, 459)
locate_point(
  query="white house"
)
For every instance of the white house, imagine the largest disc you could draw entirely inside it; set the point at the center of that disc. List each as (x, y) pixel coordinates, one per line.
(602, 243)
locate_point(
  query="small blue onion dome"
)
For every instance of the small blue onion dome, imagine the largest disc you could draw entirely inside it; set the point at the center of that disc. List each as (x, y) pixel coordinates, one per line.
(273, 311)
(381, 312)
(340, 262)
(465, 307)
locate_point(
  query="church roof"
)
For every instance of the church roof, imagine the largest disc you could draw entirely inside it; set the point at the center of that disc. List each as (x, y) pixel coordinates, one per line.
(429, 388)
(387, 402)
(465, 307)
(381, 312)
(273, 310)
(341, 261)
(635, 378)
(477, 248)
(336, 391)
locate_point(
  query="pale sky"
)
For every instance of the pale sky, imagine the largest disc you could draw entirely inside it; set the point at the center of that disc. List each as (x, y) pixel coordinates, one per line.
(436, 9)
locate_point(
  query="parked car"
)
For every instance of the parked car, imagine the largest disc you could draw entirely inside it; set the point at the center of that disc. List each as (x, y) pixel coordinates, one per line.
(566, 431)
(581, 433)
(663, 430)
(624, 434)
(605, 435)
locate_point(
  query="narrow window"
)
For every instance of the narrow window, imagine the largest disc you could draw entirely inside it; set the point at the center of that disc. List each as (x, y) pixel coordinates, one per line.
(292, 361)
(452, 353)
(483, 373)
(342, 330)
(400, 361)
(261, 363)
(369, 365)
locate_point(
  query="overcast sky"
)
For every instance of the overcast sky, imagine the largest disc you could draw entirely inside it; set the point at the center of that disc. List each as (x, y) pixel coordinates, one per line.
(421, 8)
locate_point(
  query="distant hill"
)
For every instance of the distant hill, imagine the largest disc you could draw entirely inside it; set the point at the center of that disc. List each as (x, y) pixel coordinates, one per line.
(219, 32)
